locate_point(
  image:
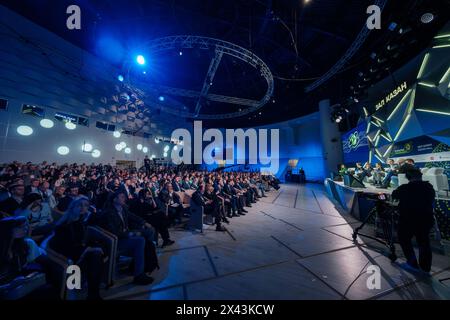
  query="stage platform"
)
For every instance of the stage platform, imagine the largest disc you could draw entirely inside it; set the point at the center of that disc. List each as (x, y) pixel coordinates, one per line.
(295, 244)
(353, 202)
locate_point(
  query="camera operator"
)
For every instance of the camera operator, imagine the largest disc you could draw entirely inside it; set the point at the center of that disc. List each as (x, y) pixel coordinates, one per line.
(416, 218)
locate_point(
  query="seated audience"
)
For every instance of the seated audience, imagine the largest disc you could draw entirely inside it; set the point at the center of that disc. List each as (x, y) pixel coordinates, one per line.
(70, 240)
(209, 204)
(135, 236)
(38, 214)
(20, 256)
(11, 204)
(145, 207)
(171, 202)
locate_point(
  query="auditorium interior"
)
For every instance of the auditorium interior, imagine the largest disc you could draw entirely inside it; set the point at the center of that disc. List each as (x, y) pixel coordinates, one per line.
(225, 150)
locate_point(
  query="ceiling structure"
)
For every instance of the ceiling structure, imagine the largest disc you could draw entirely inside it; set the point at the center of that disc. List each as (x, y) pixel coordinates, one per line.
(298, 41)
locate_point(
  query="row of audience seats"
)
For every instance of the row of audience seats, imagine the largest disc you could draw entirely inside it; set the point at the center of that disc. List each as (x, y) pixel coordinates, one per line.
(60, 263)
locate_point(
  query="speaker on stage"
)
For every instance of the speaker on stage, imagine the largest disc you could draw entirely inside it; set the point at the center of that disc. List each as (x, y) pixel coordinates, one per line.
(351, 181)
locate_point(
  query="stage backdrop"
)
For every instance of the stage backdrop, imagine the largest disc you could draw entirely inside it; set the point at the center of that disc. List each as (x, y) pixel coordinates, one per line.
(355, 145)
(408, 114)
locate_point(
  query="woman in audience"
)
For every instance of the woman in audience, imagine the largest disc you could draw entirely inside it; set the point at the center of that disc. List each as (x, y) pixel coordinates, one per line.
(70, 240)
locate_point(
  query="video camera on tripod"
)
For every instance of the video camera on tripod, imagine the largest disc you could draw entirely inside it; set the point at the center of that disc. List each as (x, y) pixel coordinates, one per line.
(385, 215)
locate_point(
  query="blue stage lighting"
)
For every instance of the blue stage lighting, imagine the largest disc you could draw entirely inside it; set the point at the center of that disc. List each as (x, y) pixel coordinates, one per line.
(120, 77)
(181, 53)
(161, 98)
(140, 59)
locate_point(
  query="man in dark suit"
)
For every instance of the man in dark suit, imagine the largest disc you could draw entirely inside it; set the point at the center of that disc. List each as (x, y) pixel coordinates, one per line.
(176, 184)
(135, 236)
(170, 200)
(210, 206)
(145, 207)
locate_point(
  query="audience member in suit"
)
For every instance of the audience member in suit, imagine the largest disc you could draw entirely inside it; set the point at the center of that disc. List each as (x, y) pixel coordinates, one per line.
(210, 194)
(135, 236)
(11, 204)
(145, 207)
(210, 206)
(185, 184)
(33, 187)
(168, 198)
(237, 201)
(176, 184)
(416, 218)
(70, 241)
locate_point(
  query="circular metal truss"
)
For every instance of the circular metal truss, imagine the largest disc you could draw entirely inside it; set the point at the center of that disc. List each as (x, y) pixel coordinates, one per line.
(220, 48)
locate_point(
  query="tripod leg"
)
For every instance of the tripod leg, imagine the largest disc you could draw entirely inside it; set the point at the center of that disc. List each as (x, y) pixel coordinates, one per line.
(355, 233)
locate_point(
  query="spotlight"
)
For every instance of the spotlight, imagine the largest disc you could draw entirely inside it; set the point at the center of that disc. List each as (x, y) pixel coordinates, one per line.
(63, 150)
(24, 130)
(70, 125)
(165, 154)
(120, 77)
(166, 148)
(161, 98)
(175, 148)
(153, 156)
(123, 144)
(338, 120)
(46, 123)
(118, 147)
(427, 18)
(144, 149)
(140, 59)
(156, 140)
(96, 153)
(117, 134)
(127, 150)
(139, 146)
(87, 147)
(180, 53)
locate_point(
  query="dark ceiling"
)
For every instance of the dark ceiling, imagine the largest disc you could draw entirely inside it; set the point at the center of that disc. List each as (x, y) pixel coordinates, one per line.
(298, 41)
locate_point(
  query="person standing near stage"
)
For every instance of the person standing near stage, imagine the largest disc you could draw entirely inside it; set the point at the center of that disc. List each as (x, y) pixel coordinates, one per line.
(416, 218)
(147, 165)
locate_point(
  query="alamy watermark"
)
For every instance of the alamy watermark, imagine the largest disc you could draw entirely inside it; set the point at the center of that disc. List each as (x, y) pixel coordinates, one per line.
(373, 281)
(74, 277)
(374, 20)
(74, 20)
(235, 143)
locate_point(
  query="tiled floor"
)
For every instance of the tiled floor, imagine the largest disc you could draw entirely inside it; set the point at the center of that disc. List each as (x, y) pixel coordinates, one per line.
(294, 244)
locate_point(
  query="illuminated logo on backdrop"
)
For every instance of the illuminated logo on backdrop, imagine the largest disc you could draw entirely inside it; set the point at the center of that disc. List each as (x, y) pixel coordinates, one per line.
(391, 96)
